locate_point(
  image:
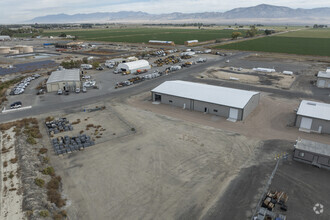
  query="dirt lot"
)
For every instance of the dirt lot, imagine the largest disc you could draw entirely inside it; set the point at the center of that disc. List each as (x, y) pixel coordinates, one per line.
(277, 80)
(168, 169)
(272, 119)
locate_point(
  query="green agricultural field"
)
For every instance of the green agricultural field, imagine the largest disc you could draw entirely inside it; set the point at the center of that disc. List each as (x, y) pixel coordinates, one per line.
(143, 35)
(281, 44)
(308, 33)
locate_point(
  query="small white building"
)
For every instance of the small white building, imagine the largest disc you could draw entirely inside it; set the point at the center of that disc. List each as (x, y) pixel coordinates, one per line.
(67, 79)
(190, 42)
(265, 70)
(323, 79)
(134, 66)
(313, 117)
(5, 38)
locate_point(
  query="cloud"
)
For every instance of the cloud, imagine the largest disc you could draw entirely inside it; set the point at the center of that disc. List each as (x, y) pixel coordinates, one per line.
(12, 11)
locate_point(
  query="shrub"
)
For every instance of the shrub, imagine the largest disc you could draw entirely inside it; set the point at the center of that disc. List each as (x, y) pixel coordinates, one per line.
(46, 159)
(76, 122)
(54, 183)
(55, 197)
(49, 118)
(5, 164)
(49, 171)
(44, 213)
(11, 175)
(31, 140)
(43, 150)
(132, 129)
(5, 179)
(39, 182)
(13, 160)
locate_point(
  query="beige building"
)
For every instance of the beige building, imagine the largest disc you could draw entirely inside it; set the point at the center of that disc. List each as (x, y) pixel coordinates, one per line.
(323, 79)
(64, 79)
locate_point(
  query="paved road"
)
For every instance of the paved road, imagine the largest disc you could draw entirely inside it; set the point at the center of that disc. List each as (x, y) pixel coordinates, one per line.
(69, 103)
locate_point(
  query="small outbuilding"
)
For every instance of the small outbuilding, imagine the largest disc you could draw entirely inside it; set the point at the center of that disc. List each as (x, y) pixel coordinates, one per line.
(313, 117)
(5, 38)
(234, 104)
(313, 153)
(67, 79)
(191, 42)
(134, 66)
(161, 42)
(323, 79)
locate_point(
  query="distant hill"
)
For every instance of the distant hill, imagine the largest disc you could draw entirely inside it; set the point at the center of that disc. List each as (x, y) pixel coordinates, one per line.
(261, 13)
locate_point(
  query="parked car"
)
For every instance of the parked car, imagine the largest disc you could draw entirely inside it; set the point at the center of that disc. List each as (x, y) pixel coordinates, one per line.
(15, 105)
(84, 89)
(59, 92)
(100, 68)
(77, 90)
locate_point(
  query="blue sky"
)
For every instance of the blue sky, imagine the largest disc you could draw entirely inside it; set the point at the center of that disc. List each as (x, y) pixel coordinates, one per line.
(13, 11)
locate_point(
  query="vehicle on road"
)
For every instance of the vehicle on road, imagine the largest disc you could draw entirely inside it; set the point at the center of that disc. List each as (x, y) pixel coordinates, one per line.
(15, 105)
(84, 89)
(77, 90)
(59, 92)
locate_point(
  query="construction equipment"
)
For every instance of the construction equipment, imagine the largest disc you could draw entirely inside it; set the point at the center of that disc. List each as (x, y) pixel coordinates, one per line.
(140, 71)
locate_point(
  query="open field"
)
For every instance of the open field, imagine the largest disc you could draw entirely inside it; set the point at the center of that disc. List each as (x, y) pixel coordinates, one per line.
(290, 45)
(143, 35)
(308, 33)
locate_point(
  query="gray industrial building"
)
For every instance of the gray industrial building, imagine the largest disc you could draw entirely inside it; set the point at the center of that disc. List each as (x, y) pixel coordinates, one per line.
(323, 79)
(313, 117)
(233, 104)
(64, 79)
(313, 153)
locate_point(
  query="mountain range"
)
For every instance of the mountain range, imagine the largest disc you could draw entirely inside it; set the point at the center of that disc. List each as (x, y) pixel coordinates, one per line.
(257, 14)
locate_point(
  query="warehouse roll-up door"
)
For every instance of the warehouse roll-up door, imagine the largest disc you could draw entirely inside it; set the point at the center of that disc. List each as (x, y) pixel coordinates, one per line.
(306, 123)
(233, 113)
(321, 83)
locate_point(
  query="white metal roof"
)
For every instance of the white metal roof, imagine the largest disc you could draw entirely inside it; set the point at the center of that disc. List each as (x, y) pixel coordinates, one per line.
(207, 93)
(134, 65)
(314, 109)
(311, 146)
(64, 75)
(192, 41)
(324, 74)
(160, 41)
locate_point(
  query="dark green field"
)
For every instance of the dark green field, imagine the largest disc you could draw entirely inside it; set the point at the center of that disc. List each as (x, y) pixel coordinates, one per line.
(143, 35)
(291, 45)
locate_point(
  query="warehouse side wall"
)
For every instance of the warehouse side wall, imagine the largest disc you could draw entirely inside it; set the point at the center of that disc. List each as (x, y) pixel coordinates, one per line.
(317, 125)
(251, 105)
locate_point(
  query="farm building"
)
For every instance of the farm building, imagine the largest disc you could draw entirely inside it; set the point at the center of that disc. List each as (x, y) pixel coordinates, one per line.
(323, 79)
(191, 42)
(313, 153)
(64, 79)
(265, 70)
(68, 44)
(134, 66)
(233, 104)
(160, 42)
(4, 38)
(313, 117)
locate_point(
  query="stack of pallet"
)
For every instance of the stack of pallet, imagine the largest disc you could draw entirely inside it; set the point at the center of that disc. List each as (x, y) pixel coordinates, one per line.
(275, 197)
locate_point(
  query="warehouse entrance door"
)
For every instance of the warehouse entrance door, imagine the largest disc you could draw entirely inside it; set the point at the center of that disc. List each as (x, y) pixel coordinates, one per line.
(306, 124)
(321, 83)
(158, 98)
(233, 114)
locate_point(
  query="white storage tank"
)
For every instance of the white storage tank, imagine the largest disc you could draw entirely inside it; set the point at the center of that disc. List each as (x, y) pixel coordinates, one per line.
(4, 50)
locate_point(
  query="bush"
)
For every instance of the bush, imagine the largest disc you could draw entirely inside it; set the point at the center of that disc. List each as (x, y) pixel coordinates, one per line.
(31, 140)
(5, 164)
(132, 129)
(54, 183)
(46, 159)
(11, 175)
(39, 182)
(43, 150)
(49, 118)
(49, 171)
(44, 213)
(13, 160)
(55, 197)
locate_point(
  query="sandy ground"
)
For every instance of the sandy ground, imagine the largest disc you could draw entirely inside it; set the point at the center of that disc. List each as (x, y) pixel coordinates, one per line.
(168, 169)
(272, 119)
(11, 192)
(276, 79)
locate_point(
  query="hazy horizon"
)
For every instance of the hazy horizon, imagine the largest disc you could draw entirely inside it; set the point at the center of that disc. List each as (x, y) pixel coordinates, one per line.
(14, 11)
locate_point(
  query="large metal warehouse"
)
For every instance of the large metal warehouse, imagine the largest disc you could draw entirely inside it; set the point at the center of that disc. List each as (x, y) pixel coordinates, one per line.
(234, 104)
(132, 67)
(313, 153)
(323, 79)
(64, 79)
(313, 117)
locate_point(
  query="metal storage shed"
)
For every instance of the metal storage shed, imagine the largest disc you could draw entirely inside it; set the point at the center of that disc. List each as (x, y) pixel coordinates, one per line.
(134, 66)
(311, 152)
(323, 79)
(233, 104)
(63, 79)
(313, 117)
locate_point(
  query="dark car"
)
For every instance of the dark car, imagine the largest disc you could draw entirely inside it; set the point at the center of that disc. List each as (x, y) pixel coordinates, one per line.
(16, 105)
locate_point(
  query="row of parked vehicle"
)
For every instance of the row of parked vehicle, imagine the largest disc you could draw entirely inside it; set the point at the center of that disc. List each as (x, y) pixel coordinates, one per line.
(20, 87)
